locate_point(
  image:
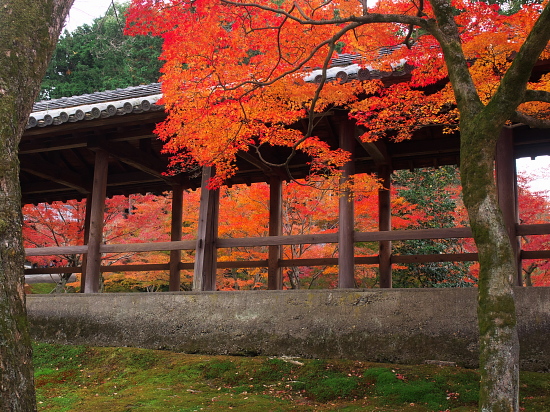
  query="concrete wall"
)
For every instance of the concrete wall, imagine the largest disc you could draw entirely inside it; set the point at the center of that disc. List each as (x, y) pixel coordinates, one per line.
(399, 325)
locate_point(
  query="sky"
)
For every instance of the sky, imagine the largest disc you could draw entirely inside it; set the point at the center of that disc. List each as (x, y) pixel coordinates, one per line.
(85, 11)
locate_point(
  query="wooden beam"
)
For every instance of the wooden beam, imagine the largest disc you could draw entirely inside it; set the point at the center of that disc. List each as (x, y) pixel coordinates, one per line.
(95, 239)
(377, 151)
(134, 157)
(255, 161)
(55, 173)
(507, 191)
(204, 277)
(274, 271)
(346, 242)
(175, 235)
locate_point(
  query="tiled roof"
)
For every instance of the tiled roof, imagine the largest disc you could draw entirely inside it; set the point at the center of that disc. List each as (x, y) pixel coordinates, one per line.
(135, 99)
(138, 99)
(348, 66)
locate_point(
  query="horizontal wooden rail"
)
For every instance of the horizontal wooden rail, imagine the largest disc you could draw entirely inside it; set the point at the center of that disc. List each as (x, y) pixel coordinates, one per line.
(55, 250)
(242, 264)
(53, 270)
(135, 268)
(396, 235)
(393, 235)
(278, 240)
(535, 254)
(359, 260)
(149, 247)
(443, 257)
(540, 229)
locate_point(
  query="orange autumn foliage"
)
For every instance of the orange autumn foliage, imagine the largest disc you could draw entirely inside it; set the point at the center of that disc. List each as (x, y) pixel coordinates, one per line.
(234, 72)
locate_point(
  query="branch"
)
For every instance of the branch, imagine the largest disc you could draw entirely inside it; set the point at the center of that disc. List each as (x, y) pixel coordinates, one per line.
(366, 19)
(530, 121)
(510, 92)
(419, 13)
(447, 34)
(536, 96)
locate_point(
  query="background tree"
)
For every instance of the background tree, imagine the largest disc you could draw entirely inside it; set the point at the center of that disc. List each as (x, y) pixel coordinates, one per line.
(132, 219)
(28, 34)
(437, 193)
(99, 57)
(534, 208)
(248, 67)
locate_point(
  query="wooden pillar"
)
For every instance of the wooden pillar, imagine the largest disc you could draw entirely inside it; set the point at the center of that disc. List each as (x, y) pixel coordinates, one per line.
(507, 191)
(86, 236)
(384, 224)
(175, 235)
(206, 253)
(274, 272)
(346, 243)
(99, 190)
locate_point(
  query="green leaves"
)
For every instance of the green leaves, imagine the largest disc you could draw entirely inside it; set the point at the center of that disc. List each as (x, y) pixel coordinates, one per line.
(100, 57)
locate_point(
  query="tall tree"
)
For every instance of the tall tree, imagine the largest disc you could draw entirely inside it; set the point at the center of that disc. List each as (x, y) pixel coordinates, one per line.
(247, 66)
(436, 193)
(28, 34)
(100, 57)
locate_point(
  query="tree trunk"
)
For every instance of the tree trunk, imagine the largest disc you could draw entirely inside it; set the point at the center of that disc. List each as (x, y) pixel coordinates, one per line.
(499, 345)
(28, 34)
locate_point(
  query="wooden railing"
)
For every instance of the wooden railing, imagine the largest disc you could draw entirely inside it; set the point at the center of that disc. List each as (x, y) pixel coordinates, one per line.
(394, 235)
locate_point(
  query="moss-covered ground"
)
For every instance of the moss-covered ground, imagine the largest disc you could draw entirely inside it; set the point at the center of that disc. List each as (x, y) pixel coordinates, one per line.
(78, 378)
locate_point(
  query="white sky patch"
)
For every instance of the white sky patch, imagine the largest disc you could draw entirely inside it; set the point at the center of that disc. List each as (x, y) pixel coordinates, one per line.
(85, 11)
(539, 169)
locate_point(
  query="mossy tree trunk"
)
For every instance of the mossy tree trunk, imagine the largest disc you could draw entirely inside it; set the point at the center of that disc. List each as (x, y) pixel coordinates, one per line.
(28, 33)
(480, 126)
(499, 345)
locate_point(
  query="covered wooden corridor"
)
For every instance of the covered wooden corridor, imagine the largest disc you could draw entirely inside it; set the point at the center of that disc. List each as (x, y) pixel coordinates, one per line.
(99, 145)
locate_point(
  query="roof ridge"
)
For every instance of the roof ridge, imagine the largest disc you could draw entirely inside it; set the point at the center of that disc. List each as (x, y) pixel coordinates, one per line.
(98, 97)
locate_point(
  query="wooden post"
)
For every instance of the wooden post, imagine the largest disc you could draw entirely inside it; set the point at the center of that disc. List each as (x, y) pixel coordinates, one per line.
(86, 236)
(204, 277)
(175, 235)
(384, 223)
(99, 190)
(346, 243)
(507, 191)
(274, 272)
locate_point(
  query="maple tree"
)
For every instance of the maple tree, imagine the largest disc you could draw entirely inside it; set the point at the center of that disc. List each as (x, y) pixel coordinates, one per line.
(534, 207)
(307, 209)
(238, 84)
(131, 219)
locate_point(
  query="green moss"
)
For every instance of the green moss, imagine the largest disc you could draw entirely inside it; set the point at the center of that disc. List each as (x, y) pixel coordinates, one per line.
(333, 388)
(76, 378)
